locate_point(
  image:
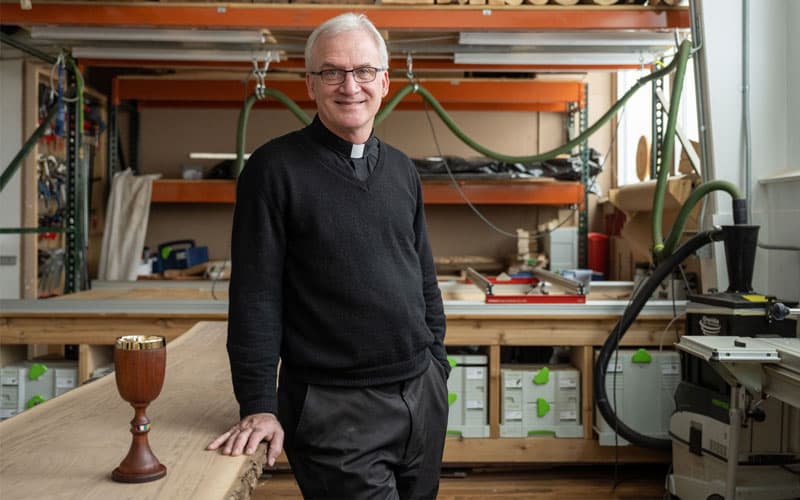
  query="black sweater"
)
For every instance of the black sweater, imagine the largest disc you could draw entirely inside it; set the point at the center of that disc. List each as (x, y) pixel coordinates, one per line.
(333, 274)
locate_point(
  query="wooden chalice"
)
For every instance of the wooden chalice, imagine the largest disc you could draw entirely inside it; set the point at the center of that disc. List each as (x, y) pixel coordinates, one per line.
(139, 363)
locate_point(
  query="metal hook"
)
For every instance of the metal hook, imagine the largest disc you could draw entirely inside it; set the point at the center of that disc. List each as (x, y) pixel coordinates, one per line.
(260, 75)
(409, 67)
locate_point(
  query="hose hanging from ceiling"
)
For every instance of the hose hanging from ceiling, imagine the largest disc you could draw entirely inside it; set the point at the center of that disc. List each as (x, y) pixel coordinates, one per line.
(681, 58)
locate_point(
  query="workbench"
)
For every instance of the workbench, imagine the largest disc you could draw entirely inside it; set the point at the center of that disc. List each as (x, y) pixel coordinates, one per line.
(94, 319)
(68, 446)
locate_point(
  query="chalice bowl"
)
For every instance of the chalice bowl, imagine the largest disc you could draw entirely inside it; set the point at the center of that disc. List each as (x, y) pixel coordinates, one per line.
(139, 363)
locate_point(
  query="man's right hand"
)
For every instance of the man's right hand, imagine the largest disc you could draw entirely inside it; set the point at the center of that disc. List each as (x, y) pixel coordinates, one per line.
(245, 436)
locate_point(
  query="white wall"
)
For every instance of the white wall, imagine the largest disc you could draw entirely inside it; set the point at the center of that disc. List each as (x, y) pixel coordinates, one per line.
(775, 126)
(10, 143)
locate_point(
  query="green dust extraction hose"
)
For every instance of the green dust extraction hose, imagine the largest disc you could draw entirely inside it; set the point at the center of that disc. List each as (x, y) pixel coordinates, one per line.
(245, 113)
(681, 58)
(640, 298)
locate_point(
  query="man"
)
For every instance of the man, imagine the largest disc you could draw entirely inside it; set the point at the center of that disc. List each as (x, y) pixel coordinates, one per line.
(332, 270)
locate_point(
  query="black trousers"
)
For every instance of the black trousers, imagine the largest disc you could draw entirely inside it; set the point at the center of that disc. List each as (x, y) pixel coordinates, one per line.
(382, 442)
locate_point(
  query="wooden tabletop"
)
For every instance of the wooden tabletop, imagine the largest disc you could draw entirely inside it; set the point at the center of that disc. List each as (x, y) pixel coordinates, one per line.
(68, 446)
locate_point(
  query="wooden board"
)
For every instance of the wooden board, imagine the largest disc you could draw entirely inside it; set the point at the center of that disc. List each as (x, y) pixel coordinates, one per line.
(68, 446)
(154, 293)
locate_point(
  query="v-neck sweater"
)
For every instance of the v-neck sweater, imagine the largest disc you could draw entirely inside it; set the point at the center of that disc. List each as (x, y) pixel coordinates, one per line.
(332, 273)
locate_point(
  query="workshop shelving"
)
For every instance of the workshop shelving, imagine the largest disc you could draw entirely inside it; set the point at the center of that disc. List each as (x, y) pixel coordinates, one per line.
(94, 332)
(83, 197)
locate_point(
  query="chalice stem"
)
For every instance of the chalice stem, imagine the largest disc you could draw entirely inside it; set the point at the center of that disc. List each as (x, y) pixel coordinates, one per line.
(140, 464)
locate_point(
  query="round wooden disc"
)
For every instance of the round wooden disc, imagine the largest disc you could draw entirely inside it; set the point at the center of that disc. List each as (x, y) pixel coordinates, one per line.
(643, 159)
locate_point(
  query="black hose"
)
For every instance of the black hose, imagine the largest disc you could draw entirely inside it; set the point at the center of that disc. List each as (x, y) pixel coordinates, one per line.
(628, 316)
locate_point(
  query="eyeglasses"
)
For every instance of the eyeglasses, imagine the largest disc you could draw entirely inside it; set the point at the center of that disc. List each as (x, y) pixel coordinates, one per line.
(364, 74)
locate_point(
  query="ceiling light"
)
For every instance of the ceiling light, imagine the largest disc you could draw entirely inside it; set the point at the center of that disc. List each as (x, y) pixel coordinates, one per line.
(555, 58)
(621, 39)
(148, 35)
(126, 53)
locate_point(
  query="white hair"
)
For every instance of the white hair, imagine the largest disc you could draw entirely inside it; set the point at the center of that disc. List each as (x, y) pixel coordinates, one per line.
(342, 23)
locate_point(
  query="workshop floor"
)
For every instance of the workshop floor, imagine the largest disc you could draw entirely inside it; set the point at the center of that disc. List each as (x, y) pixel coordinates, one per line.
(546, 483)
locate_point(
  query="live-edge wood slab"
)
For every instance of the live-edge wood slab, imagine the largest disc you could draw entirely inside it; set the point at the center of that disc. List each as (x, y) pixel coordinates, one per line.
(68, 446)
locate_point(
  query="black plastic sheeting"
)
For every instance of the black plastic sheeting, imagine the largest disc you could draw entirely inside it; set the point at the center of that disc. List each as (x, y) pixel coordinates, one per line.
(563, 169)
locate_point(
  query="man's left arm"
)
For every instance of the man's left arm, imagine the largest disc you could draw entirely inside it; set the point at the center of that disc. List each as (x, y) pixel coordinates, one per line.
(434, 308)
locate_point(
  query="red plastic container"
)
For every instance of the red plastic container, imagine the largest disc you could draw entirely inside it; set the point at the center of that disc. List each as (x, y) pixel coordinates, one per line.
(598, 253)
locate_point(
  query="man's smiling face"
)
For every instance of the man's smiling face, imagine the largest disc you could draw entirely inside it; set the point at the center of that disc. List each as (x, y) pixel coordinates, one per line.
(347, 109)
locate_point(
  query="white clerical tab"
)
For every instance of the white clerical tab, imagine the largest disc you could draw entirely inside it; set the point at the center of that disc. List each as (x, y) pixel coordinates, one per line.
(357, 151)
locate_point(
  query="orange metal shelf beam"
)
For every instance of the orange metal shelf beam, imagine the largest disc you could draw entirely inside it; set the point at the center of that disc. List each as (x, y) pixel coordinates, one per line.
(298, 66)
(183, 191)
(517, 192)
(475, 94)
(304, 17)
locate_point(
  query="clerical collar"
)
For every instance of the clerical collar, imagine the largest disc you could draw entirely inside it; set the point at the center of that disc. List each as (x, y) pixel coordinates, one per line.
(345, 148)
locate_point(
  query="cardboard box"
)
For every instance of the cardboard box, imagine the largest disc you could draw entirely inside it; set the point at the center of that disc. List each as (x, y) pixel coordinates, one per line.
(636, 201)
(622, 264)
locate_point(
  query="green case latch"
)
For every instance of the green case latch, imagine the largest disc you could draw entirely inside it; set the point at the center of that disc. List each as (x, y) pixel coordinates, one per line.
(452, 361)
(542, 377)
(37, 370)
(542, 407)
(642, 356)
(542, 433)
(451, 398)
(37, 399)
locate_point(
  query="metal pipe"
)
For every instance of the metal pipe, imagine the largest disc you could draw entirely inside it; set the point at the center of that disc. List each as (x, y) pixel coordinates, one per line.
(735, 415)
(703, 105)
(748, 151)
(9, 40)
(479, 280)
(567, 284)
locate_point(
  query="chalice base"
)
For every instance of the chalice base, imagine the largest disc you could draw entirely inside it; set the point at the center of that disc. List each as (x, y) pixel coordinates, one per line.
(138, 477)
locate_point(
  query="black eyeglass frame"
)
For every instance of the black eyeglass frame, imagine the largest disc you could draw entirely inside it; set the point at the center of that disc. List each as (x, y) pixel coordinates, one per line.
(343, 74)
